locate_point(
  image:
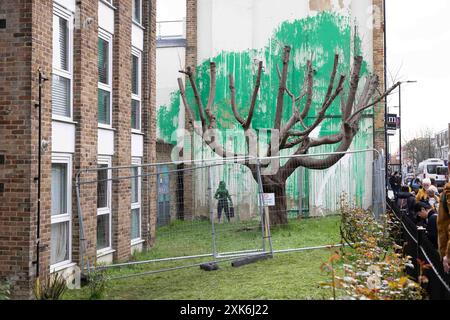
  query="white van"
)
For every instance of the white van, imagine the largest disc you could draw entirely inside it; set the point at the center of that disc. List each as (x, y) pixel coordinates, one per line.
(432, 169)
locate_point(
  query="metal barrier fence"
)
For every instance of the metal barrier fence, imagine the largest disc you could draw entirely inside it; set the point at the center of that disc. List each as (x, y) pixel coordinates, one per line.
(195, 217)
(421, 250)
(224, 208)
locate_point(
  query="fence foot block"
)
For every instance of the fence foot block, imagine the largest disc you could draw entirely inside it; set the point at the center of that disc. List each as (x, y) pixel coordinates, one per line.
(210, 266)
(247, 260)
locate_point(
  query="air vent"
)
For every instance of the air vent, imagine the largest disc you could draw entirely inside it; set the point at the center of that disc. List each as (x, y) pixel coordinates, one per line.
(2, 23)
(2, 159)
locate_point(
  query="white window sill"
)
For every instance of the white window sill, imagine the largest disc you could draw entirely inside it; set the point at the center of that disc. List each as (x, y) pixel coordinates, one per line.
(137, 241)
(105, 252)
(64, 120)
(138, 24)
(106, 127)
(108, 4)
(137, 132)
(62, 266)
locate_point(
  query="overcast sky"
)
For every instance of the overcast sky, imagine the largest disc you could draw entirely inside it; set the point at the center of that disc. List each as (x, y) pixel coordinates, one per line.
(418, 48)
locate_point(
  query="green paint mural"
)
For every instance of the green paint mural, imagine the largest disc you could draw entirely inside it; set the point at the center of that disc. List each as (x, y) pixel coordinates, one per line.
(318, 38)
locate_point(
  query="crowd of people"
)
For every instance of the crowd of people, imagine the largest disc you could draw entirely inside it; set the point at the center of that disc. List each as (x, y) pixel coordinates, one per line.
(426, 207)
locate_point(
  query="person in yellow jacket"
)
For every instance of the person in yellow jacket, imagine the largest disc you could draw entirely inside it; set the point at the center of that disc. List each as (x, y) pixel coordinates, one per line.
(422, 194)
(443, 224)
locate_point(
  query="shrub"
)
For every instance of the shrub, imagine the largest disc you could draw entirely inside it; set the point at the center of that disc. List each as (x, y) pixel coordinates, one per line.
(52, 287)
(5, 292)
(97, 282)
(374, 267)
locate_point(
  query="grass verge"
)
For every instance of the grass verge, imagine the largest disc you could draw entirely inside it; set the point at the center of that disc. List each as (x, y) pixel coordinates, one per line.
(293, 276)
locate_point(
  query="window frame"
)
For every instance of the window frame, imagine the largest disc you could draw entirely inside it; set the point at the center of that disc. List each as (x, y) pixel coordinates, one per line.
(137, 205)
(67, 15)
(106, 210)
(108, 37)
(138, 22)
(137, 97)
(67, 217)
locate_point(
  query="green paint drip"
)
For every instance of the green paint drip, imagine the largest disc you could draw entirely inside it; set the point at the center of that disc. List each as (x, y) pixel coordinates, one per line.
(318, 37)
(167, 117)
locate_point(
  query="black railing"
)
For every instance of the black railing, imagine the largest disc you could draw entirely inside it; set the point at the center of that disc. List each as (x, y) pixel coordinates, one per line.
(425, 258)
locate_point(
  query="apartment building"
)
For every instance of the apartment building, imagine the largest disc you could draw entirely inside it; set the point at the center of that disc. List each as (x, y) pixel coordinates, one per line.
(442, 141)
(77, 91)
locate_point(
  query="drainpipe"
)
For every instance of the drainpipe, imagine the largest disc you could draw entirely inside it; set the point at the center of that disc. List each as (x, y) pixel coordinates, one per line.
(42, 79)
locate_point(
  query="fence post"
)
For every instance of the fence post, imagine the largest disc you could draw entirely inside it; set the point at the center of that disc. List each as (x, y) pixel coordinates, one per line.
(265, 221)
(420, 236)
(300, 191)
(211, 213)
(80, 221)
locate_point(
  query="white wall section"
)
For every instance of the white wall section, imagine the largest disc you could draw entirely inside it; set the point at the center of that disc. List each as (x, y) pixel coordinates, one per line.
(63, 137)
(105, 142)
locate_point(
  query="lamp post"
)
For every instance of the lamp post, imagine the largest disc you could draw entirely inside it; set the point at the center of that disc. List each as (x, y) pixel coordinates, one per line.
(400, 126)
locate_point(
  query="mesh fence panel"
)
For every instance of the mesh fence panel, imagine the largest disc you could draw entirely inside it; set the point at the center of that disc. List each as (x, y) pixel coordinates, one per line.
(213, 207)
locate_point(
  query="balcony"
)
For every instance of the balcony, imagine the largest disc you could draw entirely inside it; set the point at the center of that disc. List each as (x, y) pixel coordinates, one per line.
(171, 33)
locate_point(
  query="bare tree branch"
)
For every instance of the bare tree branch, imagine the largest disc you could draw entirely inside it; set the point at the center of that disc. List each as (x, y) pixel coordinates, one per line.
(362, 109)
(357, 63)
(309, 89)
(254, 97)
(212, 96)
(323, 111)
(333, 76)
(187, 107)
(233, 101)
(190, 75)
(282, 89)
(209, 136)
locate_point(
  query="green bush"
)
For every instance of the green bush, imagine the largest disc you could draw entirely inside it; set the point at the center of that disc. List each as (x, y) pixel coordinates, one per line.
(97, 282)
(374, 268)
(52, 287)
(5, 288)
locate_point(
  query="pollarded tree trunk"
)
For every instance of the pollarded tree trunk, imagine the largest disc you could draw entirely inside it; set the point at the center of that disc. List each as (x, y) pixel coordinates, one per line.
(278, 213)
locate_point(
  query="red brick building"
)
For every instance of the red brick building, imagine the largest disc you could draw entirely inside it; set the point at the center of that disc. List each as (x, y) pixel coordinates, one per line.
(97, 110)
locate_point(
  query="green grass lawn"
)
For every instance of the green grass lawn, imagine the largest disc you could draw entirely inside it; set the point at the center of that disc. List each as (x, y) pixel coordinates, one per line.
(290, 276)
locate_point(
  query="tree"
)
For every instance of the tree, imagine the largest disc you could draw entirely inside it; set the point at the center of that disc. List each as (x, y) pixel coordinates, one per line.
(294, 133)
(420, 148)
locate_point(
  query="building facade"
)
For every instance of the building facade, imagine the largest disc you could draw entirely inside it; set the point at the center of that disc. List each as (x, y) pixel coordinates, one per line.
(80, 75)
(442, 141)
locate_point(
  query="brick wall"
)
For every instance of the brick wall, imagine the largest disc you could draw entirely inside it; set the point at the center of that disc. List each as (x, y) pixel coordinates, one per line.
(191, 60)
(26, 46)
(15, 114)
(379, 66)
(85, 114)
(19, 66)
(149, 122)
(122, 67)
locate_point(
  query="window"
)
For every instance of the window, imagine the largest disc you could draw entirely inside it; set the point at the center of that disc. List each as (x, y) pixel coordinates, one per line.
(135, 232)
(104, 189)
(61, 229)
(137, 11)
(104, 78)
(62, 63)
(136, 90)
